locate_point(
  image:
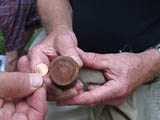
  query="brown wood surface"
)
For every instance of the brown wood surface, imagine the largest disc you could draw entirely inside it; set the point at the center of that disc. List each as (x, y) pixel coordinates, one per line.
(63, 71)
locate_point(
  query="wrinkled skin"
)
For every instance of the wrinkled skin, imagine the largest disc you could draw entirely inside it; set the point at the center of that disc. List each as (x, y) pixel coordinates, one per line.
(34, 107)
(124, 72)
(22, 96)
(61, 42)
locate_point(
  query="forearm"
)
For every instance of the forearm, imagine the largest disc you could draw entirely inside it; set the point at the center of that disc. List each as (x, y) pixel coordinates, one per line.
(54, 14)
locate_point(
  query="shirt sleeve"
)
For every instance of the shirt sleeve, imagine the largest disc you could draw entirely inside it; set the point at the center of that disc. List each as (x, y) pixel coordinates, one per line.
(14, 15)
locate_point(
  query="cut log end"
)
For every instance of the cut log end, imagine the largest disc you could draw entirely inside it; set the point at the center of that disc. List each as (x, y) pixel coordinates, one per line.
(63, 71)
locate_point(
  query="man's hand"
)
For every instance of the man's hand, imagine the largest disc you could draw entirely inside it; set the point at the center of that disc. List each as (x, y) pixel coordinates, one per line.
(65, 43)
(56, 16)
(124, 72)
(22, 97)
(61, 42)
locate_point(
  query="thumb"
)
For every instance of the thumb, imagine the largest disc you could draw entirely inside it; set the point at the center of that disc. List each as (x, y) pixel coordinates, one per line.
(93, 60)
(66, 45)
(17, 85)
(96, 96)
(73, 54)
(37, 56)
(38, 102)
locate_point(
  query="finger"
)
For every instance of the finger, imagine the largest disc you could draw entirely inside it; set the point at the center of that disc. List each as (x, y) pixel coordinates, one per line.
(68, 94)
(57, 94)
(66, 46)
(71, 92)
(93, 60)
(51, 88)
(51, 53)
(73, 54)
(9, 108)
(37, 56)
(115, 101)
(38, 105)
(49, 84)
(78, 86)
(95, 96)
(24, 65)
(17, 85)
(22, 107)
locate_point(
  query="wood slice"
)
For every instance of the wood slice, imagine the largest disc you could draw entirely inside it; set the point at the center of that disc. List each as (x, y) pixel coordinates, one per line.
(63, 71)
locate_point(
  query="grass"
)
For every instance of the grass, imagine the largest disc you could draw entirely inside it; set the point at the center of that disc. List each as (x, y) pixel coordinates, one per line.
(2, 48)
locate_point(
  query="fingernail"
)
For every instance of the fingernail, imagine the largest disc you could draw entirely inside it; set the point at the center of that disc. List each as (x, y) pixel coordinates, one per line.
(78, 60)
(35, 80)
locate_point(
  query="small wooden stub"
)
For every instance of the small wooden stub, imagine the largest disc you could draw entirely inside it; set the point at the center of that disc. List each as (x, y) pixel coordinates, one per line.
(63, 72)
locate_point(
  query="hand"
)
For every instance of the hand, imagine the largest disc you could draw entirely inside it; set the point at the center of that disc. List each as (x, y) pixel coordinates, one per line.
(11, 61)
(65, 43)
(61, 42)
(55, 44)
(20, 85)
(124, 72)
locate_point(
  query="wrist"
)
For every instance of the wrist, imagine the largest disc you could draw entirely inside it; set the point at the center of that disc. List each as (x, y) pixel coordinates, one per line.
(62, 27)
(60, 30)
(151, 63)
